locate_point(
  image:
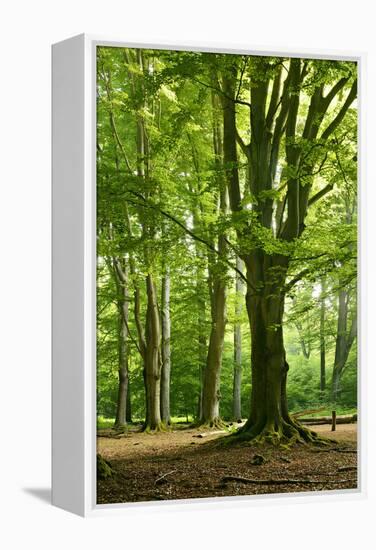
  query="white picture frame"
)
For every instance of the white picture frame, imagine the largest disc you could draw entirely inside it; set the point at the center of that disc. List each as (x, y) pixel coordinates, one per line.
(74, 277)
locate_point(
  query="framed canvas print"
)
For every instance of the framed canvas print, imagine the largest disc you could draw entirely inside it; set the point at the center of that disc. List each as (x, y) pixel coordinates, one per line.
(206, 274)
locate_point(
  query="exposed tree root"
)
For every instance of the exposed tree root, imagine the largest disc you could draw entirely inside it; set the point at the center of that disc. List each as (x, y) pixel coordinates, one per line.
(334, 449)
(155, 428)
(205, 434)
(239, 479)
(347, 469)
(120, 428)
(162, 478)
(287, 433)
(207, 425)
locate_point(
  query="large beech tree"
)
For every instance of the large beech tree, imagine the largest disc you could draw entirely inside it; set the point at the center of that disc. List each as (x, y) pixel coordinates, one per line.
(294, 112)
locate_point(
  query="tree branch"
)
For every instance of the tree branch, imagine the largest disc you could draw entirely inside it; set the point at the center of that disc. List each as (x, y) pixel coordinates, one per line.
(146, 204)
(320, 194)
(341, 114)
(243, 146)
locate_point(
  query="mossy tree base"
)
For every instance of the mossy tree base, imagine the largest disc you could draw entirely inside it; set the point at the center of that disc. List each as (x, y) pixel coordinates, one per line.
(210, 424)
(286, 433)
(104, 468)
(120, 428)
(156, 428)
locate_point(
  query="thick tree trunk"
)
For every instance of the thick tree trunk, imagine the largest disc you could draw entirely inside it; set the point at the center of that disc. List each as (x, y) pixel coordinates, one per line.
(152, 358)
(269, 419)
(236, 395)
(166, 353)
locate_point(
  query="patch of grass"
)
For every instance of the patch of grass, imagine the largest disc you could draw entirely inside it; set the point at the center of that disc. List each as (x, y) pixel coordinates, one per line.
(104, 422)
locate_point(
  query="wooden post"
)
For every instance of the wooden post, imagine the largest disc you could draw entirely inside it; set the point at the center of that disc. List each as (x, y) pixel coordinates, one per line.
(334, 421)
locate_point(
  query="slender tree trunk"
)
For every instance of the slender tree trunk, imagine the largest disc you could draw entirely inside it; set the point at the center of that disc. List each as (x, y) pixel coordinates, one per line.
(202, 341)
(152, 358)
(322, 339)
(217, 281)
(166, 353)
(306, 348)
(123, 371)
(236, 397)
(128, 412)
(344, 341)
(201, 292)
(211, 388)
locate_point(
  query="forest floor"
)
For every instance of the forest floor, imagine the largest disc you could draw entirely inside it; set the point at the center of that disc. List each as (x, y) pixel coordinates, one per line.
(188, 463)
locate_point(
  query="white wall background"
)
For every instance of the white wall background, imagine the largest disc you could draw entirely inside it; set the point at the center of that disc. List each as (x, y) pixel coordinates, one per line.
(27, 30)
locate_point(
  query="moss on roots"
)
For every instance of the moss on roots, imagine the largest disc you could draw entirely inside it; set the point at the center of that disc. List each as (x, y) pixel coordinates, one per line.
(120, 428)
(210, 424)
(286, 434)
(157, 428)
(104, 468)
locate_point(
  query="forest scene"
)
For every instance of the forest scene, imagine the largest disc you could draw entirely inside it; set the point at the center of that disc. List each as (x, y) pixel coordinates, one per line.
(226, 274)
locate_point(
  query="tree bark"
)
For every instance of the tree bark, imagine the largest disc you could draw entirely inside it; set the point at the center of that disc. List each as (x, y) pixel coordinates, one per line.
(322, 338)
(236, 397)
(344, 341)
(211, 386)
(128, 411)
(166, 352)
(217, 283)
(152, 358)
(201, 289)
(123, 316)
(269, 419)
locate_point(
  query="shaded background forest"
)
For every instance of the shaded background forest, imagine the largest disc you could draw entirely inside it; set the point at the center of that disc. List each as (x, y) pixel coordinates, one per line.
(168, 97)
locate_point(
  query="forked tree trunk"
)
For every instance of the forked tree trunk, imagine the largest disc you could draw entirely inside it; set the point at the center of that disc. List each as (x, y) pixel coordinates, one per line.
(237, 380)
(152, 371)
(166, 352)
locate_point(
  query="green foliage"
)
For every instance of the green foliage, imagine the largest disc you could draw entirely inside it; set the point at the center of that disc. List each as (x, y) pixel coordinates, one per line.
(157, 206)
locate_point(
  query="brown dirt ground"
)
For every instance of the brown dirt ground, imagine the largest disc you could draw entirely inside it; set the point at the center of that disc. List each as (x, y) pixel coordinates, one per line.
(194, 465)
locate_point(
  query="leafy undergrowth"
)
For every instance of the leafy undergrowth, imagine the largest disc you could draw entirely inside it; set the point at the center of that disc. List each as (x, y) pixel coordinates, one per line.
(188, 464)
